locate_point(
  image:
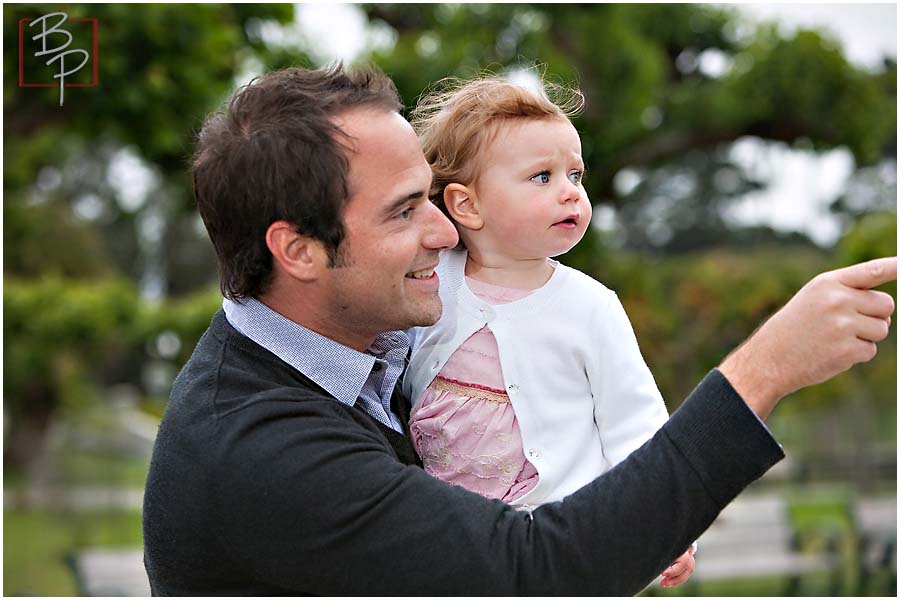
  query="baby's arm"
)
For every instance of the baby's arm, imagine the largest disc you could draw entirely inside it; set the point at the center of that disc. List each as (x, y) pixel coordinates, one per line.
(628, 407)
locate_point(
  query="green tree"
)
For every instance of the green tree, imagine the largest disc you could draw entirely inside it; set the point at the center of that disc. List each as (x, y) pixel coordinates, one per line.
(162, 69)
(694, 284)
(71, 306)
(76, 245)
(651, 104)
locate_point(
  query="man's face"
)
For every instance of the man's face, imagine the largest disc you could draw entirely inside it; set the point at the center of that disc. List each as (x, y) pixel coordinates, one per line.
(384, 279)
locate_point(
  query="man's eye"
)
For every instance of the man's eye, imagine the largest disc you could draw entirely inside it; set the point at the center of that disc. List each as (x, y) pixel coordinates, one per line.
(576, 177)
(406, 214)
(542, 177)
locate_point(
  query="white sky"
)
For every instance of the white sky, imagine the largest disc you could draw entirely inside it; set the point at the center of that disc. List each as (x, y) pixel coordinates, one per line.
(866, 31)
(803, 184)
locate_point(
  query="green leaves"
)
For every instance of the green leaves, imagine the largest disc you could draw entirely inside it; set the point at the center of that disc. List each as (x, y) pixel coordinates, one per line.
(73, 313)
(653, 101)
(162, 68)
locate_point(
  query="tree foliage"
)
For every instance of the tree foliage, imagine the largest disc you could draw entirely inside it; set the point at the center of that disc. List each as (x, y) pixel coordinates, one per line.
(652, 100)
(162, 69)
(669, 89)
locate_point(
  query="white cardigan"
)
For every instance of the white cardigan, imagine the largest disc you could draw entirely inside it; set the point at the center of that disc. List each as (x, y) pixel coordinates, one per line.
(582, 394)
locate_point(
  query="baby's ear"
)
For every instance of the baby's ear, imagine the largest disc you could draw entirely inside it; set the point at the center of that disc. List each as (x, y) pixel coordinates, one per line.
(462, 204)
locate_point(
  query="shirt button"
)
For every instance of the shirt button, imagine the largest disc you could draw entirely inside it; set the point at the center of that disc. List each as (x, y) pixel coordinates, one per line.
(534, 453)
(512, 388)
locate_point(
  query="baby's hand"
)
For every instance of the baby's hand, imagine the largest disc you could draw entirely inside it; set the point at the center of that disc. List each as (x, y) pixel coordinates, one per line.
(679, 571)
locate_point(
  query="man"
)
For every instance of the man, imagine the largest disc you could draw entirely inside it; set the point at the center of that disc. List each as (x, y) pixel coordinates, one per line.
(283, 465)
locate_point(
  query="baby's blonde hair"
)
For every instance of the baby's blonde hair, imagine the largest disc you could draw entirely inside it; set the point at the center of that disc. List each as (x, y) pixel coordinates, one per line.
(458, 118)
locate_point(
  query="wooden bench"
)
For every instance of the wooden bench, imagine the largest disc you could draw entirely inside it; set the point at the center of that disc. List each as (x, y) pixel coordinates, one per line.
(110, 572)
(753, 538)
(877, 556)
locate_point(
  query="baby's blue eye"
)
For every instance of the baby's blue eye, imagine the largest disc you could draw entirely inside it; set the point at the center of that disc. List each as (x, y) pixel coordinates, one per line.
(542, 177)
(576, 177)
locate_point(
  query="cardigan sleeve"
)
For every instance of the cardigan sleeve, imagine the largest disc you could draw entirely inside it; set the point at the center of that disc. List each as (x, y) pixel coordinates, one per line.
(310, 501)
(628, 407)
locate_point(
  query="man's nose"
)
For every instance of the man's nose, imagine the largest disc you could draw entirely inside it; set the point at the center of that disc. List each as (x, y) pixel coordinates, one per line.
(441, 231)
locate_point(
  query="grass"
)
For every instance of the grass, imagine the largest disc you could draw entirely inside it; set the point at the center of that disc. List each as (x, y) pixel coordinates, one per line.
(822, 517)
(36, 543)
(881, 584)
(811, 585)
(84, 467)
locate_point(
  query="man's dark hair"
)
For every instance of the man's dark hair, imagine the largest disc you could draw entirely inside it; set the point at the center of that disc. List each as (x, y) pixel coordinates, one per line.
(275, 154)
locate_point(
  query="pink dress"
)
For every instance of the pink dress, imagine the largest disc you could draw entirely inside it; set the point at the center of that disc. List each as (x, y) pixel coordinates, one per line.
(464, 427)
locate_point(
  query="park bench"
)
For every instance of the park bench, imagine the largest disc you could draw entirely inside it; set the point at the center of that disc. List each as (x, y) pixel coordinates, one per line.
(752, 538)
(877, 522)
(848, 546)
(110, 572)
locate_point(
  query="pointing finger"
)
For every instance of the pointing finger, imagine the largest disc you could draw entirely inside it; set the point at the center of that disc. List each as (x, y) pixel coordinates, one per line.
(868, 274)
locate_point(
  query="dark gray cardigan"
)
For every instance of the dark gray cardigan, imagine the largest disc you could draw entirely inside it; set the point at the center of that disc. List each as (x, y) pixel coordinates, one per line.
(262, 484)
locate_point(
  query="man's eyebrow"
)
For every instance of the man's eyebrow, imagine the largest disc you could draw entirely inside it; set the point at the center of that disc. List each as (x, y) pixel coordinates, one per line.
(399, 202)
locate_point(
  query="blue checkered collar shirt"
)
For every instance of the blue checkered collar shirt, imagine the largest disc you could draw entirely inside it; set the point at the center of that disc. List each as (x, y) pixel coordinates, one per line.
(347, 374)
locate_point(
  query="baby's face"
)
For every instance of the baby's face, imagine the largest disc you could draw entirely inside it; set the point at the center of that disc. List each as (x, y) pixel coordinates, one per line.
(529, 189)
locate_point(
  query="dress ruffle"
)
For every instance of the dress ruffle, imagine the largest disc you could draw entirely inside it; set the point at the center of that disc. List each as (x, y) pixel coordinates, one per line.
(468, 435)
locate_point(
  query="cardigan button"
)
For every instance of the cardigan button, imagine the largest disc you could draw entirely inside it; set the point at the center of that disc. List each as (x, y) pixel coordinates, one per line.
(435, 366)
(534, 453)
(487, 313)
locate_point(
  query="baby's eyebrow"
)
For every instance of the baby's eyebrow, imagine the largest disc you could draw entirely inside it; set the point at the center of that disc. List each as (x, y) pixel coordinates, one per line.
(537, 163)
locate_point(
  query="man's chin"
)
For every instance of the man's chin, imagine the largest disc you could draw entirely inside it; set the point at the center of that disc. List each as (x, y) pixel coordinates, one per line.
(429, 316)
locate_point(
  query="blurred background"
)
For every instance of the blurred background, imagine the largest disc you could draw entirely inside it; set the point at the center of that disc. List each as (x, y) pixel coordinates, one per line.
(733, 152)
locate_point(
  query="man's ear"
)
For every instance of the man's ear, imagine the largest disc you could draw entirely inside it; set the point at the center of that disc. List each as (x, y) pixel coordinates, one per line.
(462, 204)
(300, 256)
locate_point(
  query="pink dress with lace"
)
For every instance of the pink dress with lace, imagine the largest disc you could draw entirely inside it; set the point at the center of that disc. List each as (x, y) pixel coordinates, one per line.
(464, 427)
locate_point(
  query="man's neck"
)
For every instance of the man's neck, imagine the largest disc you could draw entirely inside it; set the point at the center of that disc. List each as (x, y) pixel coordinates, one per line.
(318, 323)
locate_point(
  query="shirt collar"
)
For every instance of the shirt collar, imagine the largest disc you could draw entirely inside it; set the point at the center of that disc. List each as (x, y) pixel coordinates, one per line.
(339, 370)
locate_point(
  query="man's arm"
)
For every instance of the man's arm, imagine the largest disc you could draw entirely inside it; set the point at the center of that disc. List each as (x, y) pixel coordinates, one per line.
(305, 501)
(831, 324)
(332, 513)
(309, 503)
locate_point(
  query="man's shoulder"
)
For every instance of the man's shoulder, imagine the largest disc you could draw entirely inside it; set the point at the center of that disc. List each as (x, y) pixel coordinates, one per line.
(228, 372)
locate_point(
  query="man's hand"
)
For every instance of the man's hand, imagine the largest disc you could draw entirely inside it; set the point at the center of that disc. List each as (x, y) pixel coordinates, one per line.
(831, 324)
